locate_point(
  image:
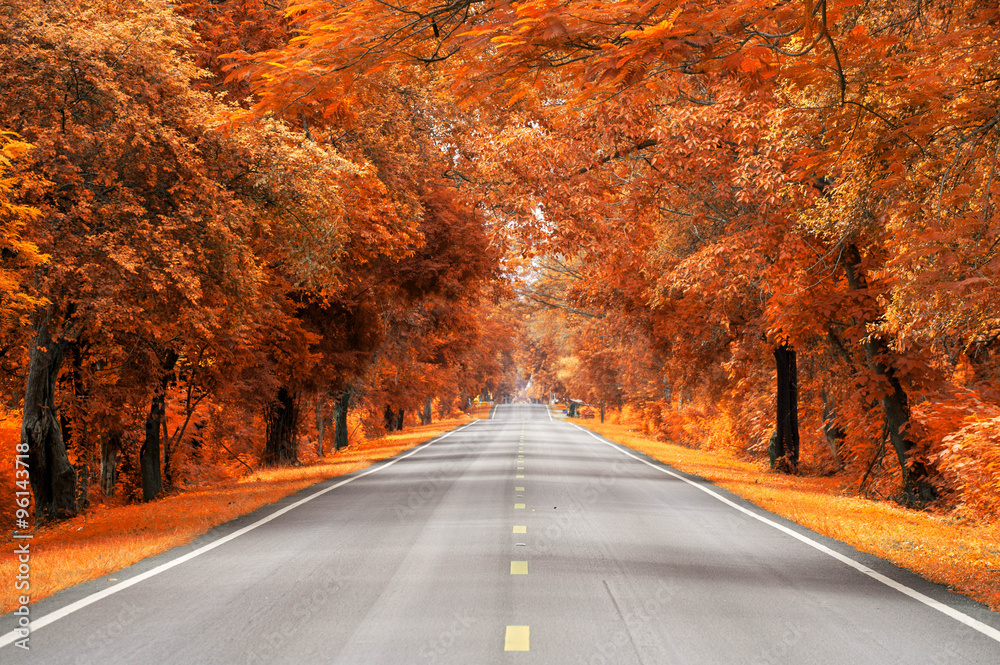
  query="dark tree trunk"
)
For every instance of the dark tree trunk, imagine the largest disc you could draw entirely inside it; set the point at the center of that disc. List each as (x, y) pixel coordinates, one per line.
(53, 478)
(320, 423)
(399, 420)
(343, 403)
(75, 434)
(425, 416)
(282, 417)
(785, 453)
(168, 472)
(602, 410)
(110, 445)
(916, 488)
(149, 454)
(390, 418)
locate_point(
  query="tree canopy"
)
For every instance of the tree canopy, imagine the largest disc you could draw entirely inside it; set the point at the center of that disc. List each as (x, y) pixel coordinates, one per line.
(771, 224)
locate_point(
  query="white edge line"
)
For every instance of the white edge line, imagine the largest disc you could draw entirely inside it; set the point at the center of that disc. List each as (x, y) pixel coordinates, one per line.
(63, 612)
(961, 617)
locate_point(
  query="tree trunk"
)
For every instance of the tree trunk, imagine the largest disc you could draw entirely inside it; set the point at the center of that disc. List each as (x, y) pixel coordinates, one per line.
(785, 455)
(76, 434)
(340, 407)
(425, 417)
(149, 454)
(390, 418)
(916, 488)
(602, 410)
(53, 478)
(168, 472)
(110, 445)
(282, 417)
(399, 420)
(320, 423)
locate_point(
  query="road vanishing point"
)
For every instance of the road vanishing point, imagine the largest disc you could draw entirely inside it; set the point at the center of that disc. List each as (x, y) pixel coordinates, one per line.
(519, 539)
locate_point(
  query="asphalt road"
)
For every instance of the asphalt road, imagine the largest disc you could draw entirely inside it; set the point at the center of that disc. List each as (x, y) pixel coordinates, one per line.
(453, 554)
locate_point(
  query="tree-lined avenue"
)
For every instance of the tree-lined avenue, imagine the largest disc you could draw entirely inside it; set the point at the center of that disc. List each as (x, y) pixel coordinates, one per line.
(414, 562)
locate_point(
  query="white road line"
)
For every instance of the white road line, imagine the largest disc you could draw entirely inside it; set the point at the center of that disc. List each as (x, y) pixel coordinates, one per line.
(63, 612)
(961, 617)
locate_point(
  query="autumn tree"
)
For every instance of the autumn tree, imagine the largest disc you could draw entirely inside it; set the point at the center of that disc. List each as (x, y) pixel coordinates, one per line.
(119, 177)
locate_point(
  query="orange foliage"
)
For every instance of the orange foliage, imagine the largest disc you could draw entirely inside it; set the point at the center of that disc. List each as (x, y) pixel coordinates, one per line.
(10, 436)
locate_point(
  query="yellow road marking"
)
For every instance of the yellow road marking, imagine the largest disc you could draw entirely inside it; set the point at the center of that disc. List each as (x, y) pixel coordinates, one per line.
(518, 489)
(519, 476)
(516, 638)
(520, 529)
(518, 506)
(518, 567)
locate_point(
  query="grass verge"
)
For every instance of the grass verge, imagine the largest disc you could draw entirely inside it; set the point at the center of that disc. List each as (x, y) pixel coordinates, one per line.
(961, 554)
(102, 541)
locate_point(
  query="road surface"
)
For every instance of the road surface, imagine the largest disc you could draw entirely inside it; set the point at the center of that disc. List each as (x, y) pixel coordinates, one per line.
(520, 539)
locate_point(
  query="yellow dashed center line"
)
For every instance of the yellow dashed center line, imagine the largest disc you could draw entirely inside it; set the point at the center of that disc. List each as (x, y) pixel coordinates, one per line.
(516, 638)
